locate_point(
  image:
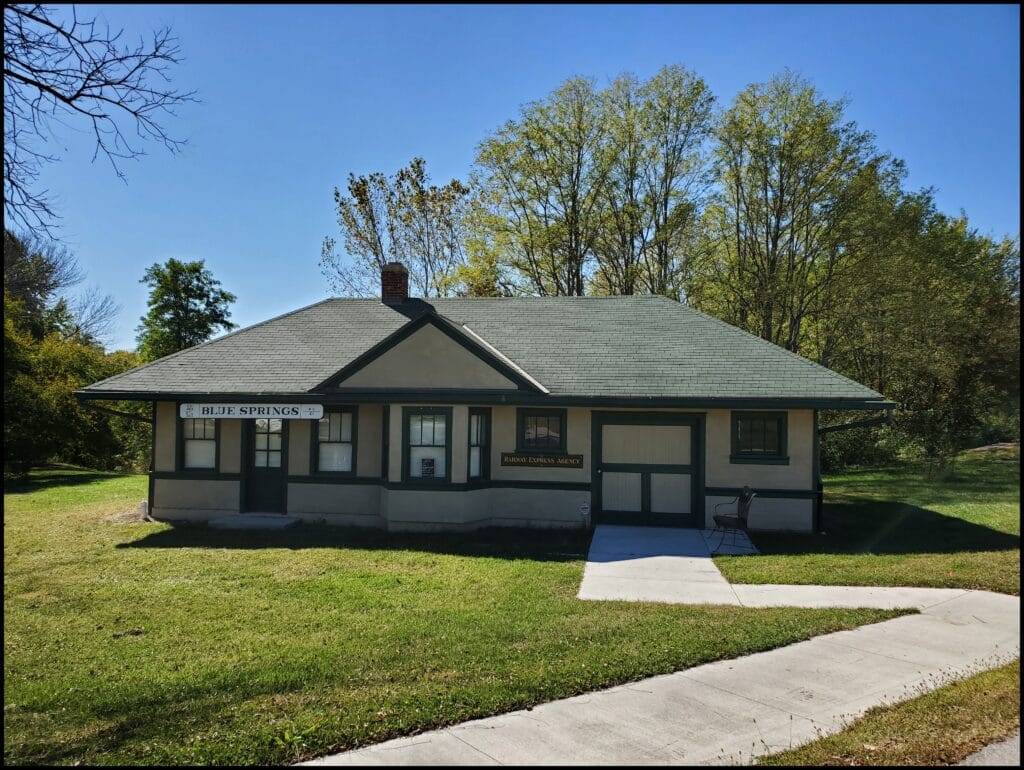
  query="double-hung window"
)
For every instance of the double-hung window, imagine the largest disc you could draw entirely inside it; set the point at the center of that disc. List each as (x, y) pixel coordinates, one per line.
(334, 445)
(541, 431)
(759, 437)
(428, 444)
(479, 443)
(199, 443)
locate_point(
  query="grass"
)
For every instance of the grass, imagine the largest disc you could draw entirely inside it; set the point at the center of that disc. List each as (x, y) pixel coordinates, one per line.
(940, 728)
(894, 527)
(138, 643)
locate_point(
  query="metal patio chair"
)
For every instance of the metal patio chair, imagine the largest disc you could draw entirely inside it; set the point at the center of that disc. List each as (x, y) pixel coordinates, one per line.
(734, 524)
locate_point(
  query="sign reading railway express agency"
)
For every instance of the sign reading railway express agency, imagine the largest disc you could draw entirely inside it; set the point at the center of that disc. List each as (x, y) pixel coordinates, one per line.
(253, 411)
(542, 461)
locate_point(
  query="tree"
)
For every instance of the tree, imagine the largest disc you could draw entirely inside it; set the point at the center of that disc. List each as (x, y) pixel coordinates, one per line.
(401, 218)
(77, 73)
(36, 269)
(544, 177)
(937, 330)
(658, 134)
(42, 420)
(186, 307)
(792, 179)
(37, 273)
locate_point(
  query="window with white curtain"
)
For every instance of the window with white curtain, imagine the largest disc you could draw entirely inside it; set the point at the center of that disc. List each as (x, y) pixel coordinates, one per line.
(335, 442)
(199, 443)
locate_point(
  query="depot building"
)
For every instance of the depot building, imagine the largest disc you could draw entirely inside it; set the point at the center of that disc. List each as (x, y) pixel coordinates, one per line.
(409, 414)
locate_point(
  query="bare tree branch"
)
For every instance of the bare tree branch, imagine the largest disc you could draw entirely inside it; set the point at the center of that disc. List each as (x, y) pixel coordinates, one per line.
(78, 72)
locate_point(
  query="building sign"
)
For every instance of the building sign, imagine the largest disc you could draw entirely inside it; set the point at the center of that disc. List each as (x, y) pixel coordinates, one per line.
(542, 461)
(253, 411)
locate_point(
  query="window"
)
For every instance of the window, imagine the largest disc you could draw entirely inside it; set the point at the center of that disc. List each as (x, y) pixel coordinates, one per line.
(541, 431)
(759, 437)
(479, 443)
(334, 442)
(267, 446)
(199, 443)
(428, 450)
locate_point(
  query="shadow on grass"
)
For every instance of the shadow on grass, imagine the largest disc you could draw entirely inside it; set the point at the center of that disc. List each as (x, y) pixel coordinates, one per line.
(51, 479)
(496, 542)
(870, 526)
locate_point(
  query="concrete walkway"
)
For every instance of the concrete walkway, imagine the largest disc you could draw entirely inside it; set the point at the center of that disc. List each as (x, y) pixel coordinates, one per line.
(730, 711)
(1004, 753)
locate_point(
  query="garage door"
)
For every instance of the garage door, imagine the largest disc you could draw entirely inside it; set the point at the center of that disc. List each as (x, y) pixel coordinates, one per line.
(647, 469)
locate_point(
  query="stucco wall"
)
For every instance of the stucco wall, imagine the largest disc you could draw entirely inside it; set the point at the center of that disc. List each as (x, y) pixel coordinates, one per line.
(298, 446)
(798, 474)
(369, 425)
(165, 437)
(413, 510)
(320, 499)
(374, 505)
(194, 499)
(230, 446)
(503, 439)
(428, 359)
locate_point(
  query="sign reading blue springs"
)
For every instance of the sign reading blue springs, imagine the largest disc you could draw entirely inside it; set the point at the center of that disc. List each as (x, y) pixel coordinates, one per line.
(253, 411)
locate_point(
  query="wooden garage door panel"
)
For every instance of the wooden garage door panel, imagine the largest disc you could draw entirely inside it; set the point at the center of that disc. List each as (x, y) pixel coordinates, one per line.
(670, 493)
(621, 491)
(646, 444)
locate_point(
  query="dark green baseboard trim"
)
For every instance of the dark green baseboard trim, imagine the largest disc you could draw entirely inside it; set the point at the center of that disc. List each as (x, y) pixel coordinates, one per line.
(785, 494)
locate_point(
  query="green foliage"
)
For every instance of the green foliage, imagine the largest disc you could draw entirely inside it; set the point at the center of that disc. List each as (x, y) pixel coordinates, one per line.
(186, 307)
(51, 350)
(43, 421)
(867, 447)
(793, 179)
(597, 190)
(35, 270)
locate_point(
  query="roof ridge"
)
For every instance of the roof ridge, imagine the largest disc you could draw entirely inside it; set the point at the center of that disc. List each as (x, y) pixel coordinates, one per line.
(168, 357)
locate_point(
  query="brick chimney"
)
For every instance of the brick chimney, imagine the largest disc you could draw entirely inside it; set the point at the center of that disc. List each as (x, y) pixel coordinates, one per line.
(394, 283)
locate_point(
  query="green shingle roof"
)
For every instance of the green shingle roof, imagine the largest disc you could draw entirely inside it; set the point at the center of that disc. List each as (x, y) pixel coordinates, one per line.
(601, 347)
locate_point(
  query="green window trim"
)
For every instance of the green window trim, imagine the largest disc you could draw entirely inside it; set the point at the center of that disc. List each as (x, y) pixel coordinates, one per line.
(780, 456)
(180, 439)
(484, 416)
(446, 412)
(314, 441)
(523, 412)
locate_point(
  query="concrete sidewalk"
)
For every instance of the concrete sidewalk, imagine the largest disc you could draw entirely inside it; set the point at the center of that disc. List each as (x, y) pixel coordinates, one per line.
(1000, 754)
(730, 711)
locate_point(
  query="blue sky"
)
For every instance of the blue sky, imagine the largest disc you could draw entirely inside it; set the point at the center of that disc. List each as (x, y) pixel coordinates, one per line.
(295, 98)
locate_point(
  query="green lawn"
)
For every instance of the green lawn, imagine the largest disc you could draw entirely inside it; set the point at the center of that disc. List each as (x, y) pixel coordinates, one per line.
(940, 728)
(139, 643)
(895, 527)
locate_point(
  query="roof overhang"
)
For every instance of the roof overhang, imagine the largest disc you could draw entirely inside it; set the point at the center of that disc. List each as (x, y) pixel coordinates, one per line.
(484, 397)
